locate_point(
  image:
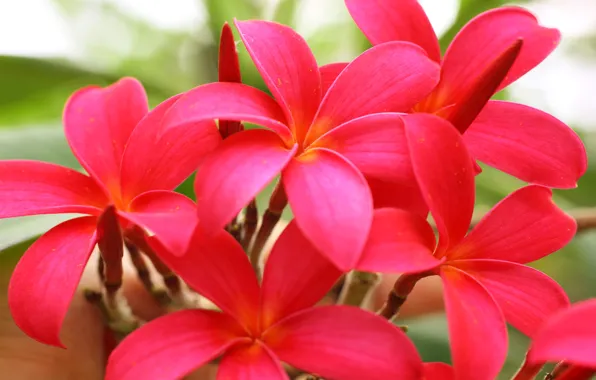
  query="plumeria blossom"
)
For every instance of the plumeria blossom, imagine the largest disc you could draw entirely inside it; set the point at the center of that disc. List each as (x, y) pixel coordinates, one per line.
(322, 141)
(261, 326)
(484, 279)
(489, 53)
(131, 170)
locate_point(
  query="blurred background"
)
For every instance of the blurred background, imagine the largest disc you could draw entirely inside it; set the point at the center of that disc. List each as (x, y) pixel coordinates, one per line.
(49, 48)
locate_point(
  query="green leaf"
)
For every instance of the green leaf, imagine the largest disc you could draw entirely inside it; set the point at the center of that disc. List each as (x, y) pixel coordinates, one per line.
(285, 12)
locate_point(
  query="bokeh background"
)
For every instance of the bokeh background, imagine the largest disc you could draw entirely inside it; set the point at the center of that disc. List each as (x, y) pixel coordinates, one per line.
(49, 48)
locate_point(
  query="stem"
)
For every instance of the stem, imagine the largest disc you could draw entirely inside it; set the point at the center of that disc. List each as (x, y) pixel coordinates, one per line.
(144, 275)
(251, 219)
(234, 228)
(109, 242)
(358, 287)
(527, 371)
(397, 296)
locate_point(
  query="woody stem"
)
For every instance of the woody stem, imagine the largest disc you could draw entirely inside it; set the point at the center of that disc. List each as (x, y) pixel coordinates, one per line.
(357, 288)
(397, 296)
(251, 219)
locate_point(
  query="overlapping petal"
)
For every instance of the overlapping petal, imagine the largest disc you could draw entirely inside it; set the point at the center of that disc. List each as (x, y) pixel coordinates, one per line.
(332, 204)
(438, 371)
(406, 196)
(45, 279)
(329, 74)
(251, 361)
(228, 71)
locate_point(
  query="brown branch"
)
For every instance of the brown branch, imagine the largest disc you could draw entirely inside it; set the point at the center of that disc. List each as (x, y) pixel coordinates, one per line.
(358, 287)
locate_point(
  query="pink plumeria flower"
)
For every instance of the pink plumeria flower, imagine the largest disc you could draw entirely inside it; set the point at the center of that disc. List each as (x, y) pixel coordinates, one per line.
(130, 168)
(261, 326)
(484, 279)
(489, 53)
(321, 145)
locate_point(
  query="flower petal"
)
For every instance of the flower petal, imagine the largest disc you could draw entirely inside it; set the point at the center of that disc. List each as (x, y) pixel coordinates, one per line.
(526, 296)
(399, 242)
(391, 77)
(288, 67)
(329, 74)
(445, 174)
(405, 196)
(332, 204)
(344, 343)
(287, 291)
(173, 345)
(34, 187)
(477, 330)
(98, 123)
(45, 279)
(570, 335)
(438, 371)
(252, 361)
(388, 20)
(528, 144)
(227, 101)
(522, 228)
(154, 160)
(234, 174)
(228, 71)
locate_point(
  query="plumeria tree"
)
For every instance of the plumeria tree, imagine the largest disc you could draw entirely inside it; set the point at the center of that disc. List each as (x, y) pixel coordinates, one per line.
(377, 159)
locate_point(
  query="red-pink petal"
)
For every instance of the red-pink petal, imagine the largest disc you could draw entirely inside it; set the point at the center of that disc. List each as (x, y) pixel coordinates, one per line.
(344, 343)
(227, 101)
(251, 361)
(391, 77)
(405, 196)
(172, 346)
(332, 204)
(523, 227)
(157, 160)
(569, 335)
(438, 371)
(445, 174)
(389, 20)
(45, 279)
(286, 291)
(526, 296)
(34, 187)
(399, 242)
(528, 144)
(288, 67)
(477, 330)
(234, 174)
(228, 71)
(329, 74)
(98, 123)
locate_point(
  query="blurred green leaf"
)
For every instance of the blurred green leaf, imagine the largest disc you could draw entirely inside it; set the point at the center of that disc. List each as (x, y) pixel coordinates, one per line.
(285, 12)
(220, 12)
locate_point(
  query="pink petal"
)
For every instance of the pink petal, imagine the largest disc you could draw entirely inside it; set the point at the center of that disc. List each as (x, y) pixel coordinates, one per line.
(310, 278)
(98, 123)
(228, 71)
(332, 204)
(329, 74)
(399, 242)
(344, 343)
(46, 278)
(34, 187)
(444, 170)
(288, 67)
(391, 77)
(438, 371)
(236, 172)
(154, 160)
(406, 196)
(477, 330)
(389, 20)
(570, 335)
(252, 361)
(522, 228)
(528, 144)
(526, 296)
(227, 101)
(172, 346)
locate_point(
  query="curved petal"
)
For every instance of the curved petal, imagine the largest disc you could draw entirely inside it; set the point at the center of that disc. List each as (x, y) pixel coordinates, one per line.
(173, 345)
(445, 174)
(528, 144)
(98, 123)
(344, 343)
(329, 74)
(157, 160)
(569, 335)
(234, 174)
(406, 196)
(399, 242)
(252, 361)
(438, 371)
(228, 71)
(389, 20)
(522, 228)
(526, 296)
(391, 77)
(227, 101)
(477, 330)
(332, 204)
(288, 67)
(286, 291)
(34, 187)
(45, 280)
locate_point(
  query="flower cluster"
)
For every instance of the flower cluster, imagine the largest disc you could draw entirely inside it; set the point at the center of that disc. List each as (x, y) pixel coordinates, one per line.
(364, 151)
